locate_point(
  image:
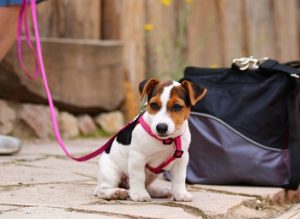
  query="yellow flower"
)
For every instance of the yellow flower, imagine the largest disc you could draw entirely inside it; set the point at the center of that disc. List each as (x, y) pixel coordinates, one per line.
(166, 2)
(148, 27)
(189, 1)
(213, 66)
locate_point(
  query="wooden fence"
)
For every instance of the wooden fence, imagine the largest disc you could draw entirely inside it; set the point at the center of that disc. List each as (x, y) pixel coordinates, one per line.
(161, 37)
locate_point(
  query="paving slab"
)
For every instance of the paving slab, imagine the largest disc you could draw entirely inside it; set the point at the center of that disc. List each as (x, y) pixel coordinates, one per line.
(14, 175)
(292, 213)
(4, 208)
(40, 182)
(55, 195)
(146, 210)
(57, 213)
(215, 204)
(204, 204)
(253, 191)
(246, 212)
(66, 165)
(76, 147)
(275, 195)
(20, 157)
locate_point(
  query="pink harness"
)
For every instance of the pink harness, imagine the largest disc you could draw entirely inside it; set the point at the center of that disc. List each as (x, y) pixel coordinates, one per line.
(40, 70)
(178, 148)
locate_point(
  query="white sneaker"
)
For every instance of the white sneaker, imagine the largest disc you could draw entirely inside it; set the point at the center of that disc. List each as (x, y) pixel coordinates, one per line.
(9, 145)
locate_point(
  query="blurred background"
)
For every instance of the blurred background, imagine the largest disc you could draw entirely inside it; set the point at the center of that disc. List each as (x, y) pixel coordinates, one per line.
(97, 51)
(161, 37)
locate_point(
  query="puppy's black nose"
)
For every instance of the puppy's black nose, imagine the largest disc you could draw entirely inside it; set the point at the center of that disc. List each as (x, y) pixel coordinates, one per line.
(162, 128)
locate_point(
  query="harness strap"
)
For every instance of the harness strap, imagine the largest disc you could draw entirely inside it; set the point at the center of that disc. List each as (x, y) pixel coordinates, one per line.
(177, 153)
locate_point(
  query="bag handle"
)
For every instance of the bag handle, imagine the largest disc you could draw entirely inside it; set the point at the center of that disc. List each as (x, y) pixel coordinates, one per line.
(273, 65)
(245, 63)
(294, 64)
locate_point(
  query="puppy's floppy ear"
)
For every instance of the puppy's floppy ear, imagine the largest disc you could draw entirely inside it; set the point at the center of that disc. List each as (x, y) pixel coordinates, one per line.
(194, 91)
(146, 86)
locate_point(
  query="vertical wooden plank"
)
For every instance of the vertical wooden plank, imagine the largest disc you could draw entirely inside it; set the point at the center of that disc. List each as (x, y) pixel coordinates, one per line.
(286, 26)
(79, 18)
(132, 35)
(47, 19)
(162, 57)
(260, 24)
(203, 34)
(232, 30)
(111, 19)
(70, 18)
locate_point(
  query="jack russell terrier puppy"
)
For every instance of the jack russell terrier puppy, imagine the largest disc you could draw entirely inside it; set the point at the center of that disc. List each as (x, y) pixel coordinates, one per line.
(157, 140)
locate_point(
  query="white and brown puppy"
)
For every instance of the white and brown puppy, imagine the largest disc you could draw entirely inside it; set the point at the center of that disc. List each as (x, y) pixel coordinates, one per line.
(168, 108)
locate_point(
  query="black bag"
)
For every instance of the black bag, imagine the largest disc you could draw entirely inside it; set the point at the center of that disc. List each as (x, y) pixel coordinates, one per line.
(244, 131)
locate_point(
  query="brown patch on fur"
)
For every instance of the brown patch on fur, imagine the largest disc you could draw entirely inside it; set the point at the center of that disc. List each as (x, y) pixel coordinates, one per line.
(195, 93)
(119, 194)
(186, 95)
(155, 99)
(167, 83)
(155, 95)
(178, 97)
(157, 91)
(124, 183)
(147, 86)
(152, 87)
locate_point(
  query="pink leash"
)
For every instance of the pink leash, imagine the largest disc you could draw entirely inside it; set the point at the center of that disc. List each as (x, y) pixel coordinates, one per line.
(40, 70)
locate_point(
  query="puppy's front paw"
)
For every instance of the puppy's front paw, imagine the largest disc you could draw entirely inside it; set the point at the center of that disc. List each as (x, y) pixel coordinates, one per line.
(184, 196)
(139, 196)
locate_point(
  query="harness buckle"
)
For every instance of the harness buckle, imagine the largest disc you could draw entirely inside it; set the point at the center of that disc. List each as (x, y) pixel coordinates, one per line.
(168, 141)
(178, 154)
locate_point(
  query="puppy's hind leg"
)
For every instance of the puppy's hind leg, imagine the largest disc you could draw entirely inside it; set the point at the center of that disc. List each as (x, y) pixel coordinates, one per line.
(109, 177)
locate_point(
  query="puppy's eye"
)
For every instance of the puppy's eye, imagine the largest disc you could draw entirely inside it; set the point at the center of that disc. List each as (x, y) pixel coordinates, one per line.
(176, 107)
(154, 106)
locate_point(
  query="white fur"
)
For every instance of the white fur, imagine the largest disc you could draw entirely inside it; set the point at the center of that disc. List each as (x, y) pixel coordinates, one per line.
(130, 161)
(162, 115)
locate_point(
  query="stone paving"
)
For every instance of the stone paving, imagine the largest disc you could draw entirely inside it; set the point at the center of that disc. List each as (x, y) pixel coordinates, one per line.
(40, 182)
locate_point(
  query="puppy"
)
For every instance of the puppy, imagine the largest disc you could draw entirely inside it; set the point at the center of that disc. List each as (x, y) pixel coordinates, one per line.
(149, 142)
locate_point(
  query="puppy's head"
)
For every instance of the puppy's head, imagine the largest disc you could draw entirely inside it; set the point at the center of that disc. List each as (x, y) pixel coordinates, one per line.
(169, 104)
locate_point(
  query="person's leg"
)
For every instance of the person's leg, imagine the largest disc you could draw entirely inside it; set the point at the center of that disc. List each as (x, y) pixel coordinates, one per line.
(8, 28)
